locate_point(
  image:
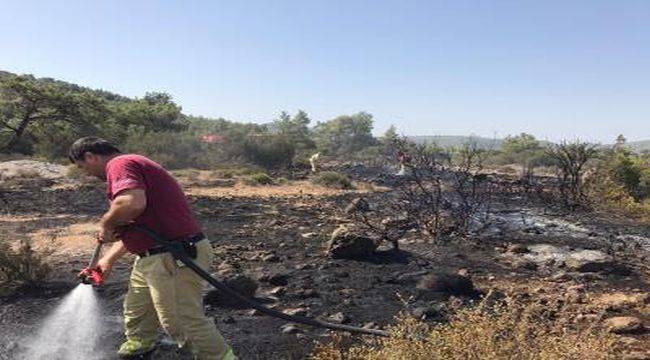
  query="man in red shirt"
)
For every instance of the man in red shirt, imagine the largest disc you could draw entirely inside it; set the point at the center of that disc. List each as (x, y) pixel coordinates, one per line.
(161, 291)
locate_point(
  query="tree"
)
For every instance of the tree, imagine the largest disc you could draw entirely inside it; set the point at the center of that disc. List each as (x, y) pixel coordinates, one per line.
(154, 112)
(345, 134)
(570, 159)
(523, 149)
(38, 108)
(295, 130)
(390, 136)
(620, 142)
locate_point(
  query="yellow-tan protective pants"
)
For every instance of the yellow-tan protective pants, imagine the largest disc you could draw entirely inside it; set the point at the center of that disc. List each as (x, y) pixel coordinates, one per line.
(163, 293)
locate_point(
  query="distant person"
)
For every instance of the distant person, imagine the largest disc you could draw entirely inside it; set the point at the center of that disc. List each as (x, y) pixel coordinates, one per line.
(403, 160)
(312, 160)
(161, 292)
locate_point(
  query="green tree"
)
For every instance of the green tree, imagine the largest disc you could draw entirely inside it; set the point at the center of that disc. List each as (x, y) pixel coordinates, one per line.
(44, 109)
(389, 136)
(523, 149)
(154, 112)
(631, 171)
(295, 129)
(345, 134)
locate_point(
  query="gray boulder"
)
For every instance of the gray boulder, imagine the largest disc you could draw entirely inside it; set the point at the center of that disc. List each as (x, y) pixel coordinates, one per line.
(346, 243)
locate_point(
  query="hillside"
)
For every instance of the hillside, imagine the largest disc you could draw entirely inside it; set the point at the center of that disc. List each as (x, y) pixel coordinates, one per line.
(638, 146)
(107, 95)
(495, 144)
(454, 140)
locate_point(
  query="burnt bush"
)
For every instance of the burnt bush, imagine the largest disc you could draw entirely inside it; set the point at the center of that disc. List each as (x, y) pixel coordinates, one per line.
(21, 266)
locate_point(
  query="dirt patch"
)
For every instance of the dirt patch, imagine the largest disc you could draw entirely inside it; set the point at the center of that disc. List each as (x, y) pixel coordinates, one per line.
(31, 169)
(293, 189)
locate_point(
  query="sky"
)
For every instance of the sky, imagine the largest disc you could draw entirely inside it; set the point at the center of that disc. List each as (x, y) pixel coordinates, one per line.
(556, 69)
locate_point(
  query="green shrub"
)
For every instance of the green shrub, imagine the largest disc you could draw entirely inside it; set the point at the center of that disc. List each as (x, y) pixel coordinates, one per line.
(174, 150)
(269, 151)
(333, 180)
(283, 181)
(632, 172)
(259, 179)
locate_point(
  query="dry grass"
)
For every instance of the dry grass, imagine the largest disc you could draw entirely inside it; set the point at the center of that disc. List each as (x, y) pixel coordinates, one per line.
(516, 331)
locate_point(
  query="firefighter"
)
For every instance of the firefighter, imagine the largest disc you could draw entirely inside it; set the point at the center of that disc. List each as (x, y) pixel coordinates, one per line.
(403, 159)
(161, 292)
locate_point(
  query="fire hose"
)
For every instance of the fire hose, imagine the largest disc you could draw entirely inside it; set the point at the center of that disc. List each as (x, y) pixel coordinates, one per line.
(91, 275)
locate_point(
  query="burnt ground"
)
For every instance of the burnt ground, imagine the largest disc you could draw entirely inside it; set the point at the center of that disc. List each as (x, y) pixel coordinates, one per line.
(281, 233)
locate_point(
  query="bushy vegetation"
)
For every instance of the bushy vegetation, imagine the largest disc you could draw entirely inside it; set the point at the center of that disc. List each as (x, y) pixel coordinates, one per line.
(632, 171)
(42, 117)
(21, 266)
(518, 331)
(621, 182)
(259, 179)
(334, 180)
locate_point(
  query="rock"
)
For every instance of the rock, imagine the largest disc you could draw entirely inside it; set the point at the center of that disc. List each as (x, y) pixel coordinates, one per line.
(303, 267)
(357, 205)
(339, 318)
(228, 320)
(574, 297)
(589, 261)
(533, 230)
(423, 312)
(410, 276)
(309, 235)
(290, 329)
(255, 312)
(370, 325)
(270, 258)
(436, 285)
(523, 264)
(225, 269)
(341, 274)
(278, 279)
(300, 311)
(307, 293)
(560, 276)
(619, 301)
(242, 284)
(637, 355)
(623, 324)
(347, 244)
(278, 291)
(517, 249)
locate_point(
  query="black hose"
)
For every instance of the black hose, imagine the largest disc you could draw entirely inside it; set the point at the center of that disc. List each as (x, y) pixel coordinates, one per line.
(177, 251)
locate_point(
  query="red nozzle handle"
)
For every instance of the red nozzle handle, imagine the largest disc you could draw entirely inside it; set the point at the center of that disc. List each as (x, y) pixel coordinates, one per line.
(91, 276)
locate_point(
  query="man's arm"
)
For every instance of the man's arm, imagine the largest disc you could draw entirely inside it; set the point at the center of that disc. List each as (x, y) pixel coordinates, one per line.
(127, 206)
(105, 264)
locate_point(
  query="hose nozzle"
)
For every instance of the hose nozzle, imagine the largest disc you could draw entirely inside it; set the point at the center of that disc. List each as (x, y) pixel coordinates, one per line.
(91, 275)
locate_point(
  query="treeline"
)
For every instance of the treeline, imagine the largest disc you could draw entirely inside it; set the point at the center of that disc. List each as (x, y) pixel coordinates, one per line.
(42, 117)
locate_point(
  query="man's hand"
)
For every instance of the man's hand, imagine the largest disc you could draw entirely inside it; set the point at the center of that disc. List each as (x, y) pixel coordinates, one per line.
(106, 235)
(105, 265)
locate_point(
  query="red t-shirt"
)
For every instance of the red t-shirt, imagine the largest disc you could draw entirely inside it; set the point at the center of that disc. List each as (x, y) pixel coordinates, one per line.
(167, 213)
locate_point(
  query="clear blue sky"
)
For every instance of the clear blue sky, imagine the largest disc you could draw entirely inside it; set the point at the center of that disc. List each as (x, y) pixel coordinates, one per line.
(557, 69)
